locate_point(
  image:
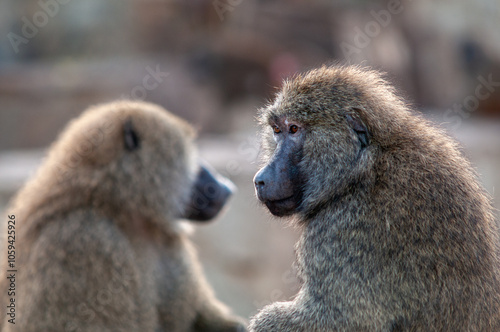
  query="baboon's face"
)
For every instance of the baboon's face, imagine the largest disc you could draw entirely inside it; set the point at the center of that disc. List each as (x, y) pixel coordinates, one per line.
(195, 185)
(314, 145)
(140, 157)
(279, 184)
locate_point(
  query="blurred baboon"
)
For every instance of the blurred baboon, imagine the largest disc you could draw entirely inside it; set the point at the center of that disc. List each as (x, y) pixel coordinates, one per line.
(99, 244)
(398, 235)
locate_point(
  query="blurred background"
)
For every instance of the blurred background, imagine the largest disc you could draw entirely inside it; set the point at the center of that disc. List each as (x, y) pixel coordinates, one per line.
(214, 63)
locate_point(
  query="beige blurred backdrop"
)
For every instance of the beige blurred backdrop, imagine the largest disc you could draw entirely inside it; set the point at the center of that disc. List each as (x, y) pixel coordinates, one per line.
(215, 63)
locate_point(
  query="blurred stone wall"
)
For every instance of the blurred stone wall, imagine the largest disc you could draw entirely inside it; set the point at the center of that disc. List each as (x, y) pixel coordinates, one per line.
(217, 54)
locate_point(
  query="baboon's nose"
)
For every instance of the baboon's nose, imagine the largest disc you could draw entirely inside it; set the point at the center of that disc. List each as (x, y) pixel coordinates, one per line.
(259, 180)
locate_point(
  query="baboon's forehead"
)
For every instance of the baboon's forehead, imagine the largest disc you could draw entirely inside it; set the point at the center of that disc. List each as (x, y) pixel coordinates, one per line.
(305, 107)
(306, 115)
(322, 94)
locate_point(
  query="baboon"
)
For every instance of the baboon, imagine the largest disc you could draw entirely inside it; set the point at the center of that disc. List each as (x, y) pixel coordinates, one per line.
(397, 233)
(99, 244)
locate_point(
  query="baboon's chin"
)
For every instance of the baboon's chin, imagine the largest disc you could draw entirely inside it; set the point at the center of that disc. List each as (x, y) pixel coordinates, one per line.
(282, 207)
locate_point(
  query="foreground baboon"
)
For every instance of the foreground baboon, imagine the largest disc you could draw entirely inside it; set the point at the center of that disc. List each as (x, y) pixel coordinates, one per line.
(99, 246)
(397, 233)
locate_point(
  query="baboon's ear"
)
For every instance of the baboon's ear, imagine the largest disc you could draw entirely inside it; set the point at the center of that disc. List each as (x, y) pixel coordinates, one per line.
(359, 128)
(130, 138)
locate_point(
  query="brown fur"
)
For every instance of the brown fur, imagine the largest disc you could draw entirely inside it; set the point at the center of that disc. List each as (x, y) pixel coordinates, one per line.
(99, 247)
(398, 236)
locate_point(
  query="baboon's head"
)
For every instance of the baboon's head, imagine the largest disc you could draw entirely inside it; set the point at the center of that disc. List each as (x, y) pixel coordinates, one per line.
(139, 158)
(320, 136)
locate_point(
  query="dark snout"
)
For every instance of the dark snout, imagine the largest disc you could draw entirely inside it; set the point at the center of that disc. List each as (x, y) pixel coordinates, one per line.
(209, 195)
(274, 186)
(273, 183)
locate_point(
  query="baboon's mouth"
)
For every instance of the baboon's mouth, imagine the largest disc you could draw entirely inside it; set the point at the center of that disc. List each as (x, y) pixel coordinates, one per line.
(279, 201)
(282, 207)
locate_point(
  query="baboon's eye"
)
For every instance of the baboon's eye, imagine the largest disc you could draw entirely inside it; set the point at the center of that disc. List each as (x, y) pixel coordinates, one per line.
(293, 129)
(276, 129)
(130, 137)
